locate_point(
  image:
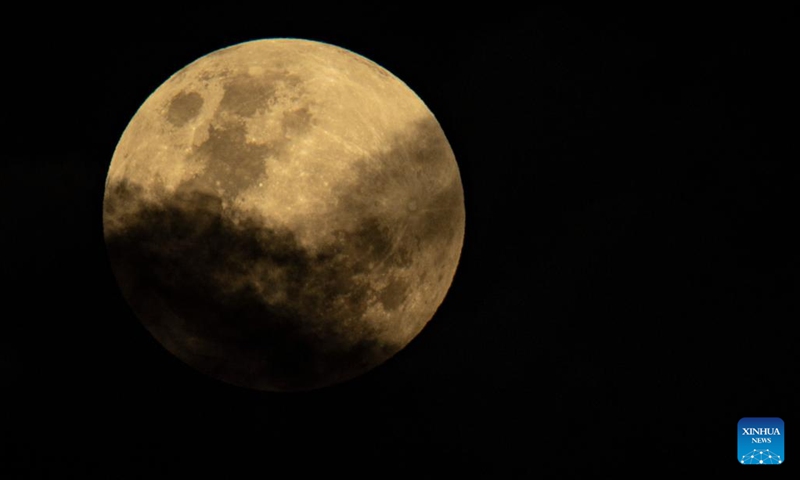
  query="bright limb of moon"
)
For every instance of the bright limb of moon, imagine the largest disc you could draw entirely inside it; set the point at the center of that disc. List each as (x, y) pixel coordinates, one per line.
(284, 214)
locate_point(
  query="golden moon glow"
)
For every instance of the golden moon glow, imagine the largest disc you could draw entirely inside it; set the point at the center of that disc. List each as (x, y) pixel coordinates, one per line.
(284, 214)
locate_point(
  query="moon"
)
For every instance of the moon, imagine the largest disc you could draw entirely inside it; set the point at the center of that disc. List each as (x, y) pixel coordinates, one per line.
(283, 215)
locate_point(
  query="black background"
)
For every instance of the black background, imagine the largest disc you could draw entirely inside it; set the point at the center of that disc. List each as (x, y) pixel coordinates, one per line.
(627, 289)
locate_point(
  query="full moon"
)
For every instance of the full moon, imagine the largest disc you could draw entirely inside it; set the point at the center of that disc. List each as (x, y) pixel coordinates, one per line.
(283, 215)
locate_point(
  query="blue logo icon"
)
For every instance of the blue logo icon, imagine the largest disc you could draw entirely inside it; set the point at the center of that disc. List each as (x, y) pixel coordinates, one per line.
(761, 441)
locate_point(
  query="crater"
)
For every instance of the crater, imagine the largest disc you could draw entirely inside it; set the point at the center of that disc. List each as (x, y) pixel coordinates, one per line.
(246, 95)
(231, 163)
(184, 107)
(296, 122)
(394, 295)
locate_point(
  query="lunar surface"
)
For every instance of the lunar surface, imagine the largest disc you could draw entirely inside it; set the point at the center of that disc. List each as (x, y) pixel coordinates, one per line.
(284, 215)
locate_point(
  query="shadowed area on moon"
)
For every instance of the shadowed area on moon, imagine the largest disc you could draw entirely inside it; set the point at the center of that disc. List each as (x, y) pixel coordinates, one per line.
(246, 303)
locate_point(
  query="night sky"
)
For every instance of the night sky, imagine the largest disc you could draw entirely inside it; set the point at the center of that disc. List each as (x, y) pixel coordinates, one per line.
(627, 289)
